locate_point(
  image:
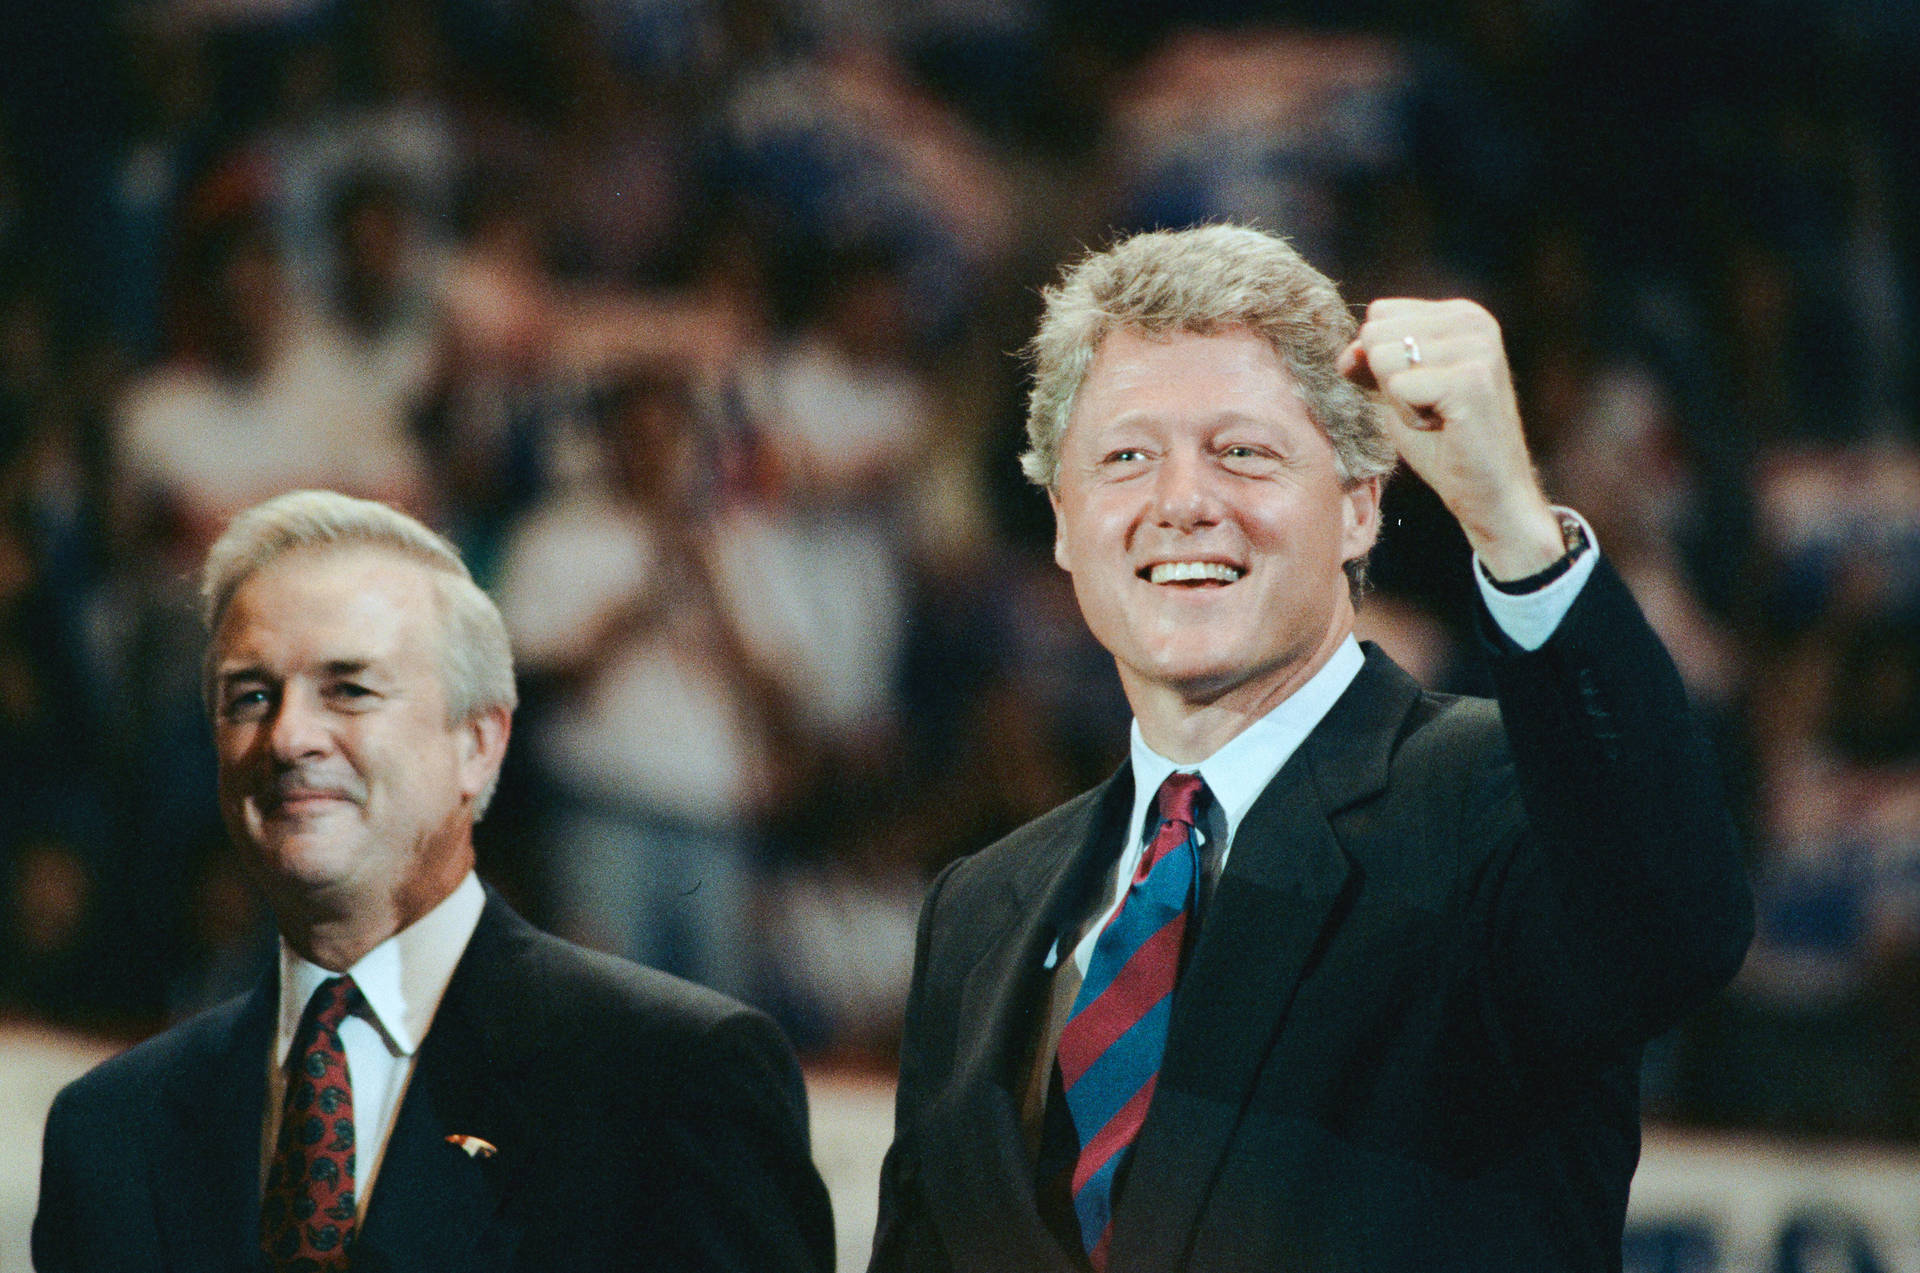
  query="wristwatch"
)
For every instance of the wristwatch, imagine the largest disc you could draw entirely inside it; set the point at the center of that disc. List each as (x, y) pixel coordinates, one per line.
(1574, 535)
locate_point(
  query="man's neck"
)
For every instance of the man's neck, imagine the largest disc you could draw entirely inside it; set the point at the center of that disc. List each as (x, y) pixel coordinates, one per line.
(336, 933)
(1187, 727)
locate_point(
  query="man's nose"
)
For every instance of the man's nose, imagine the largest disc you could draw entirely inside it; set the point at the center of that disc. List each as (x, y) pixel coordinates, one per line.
(1187, 490)
(299, 726)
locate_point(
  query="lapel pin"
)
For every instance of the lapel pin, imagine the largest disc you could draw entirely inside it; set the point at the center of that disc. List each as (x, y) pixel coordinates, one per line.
(473, 1146)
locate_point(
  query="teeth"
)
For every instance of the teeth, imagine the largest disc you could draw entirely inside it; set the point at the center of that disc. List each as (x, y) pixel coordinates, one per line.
(1187, 571)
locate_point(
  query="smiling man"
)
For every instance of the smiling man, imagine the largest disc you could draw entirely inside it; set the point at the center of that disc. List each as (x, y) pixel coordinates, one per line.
(1333, 974)
(424, 1081)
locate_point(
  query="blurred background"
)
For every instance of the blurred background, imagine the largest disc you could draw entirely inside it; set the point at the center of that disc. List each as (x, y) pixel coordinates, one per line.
(692, 322)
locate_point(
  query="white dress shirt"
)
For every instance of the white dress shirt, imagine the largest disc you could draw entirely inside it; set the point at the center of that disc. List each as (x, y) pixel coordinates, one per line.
(402, 981)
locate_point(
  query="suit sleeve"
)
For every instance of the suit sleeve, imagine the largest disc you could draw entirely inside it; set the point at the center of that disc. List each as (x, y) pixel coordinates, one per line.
(903, 1239)
(737, 1160)
(55, 1229)
(1623, 901)
(95, 1214)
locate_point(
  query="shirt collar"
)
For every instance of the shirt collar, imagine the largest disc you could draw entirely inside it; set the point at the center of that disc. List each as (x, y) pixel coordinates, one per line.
(1238, 772)
(402, 979)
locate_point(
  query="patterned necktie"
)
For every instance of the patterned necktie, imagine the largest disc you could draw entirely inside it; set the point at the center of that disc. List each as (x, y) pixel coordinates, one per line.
(307, 1215)
(1114, 1038)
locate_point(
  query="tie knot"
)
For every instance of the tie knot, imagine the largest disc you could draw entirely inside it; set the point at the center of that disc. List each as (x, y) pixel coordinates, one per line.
(1180, 797)
(333, 999)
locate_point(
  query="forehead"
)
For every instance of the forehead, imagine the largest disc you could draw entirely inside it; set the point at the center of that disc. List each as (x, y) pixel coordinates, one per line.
(367, 602)
(1187, 375)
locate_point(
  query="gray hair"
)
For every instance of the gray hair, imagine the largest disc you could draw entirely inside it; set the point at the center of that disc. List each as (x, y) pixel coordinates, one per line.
(1203, 280)
(476, 659)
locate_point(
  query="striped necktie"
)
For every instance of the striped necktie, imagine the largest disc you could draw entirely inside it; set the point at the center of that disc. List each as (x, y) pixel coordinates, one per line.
(1111, 1046)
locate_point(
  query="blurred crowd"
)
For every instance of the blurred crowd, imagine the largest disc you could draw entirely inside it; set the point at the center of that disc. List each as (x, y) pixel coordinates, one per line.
(692, 321)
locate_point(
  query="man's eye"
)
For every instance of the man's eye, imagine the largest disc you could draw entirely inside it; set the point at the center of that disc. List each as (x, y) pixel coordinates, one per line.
(349, 689)
(245, 703)
(1243, 453)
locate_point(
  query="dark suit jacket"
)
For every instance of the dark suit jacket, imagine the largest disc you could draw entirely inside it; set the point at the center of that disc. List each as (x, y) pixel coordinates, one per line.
(1408, 1034)
(641, 1123)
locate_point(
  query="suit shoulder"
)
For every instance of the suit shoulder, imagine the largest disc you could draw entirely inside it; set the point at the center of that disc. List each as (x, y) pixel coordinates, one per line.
(1439, 723)
(587, 1021)
(988, 868)
(1454, 764)
(131, 1077)
(577, 981)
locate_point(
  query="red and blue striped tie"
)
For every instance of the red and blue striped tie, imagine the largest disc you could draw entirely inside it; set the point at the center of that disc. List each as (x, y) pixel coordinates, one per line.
(1114, 1038)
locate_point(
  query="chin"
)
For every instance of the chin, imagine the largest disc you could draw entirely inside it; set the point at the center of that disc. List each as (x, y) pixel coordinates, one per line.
(308, 861)
(1198, 657)
(1194, 679)
(1203, 675)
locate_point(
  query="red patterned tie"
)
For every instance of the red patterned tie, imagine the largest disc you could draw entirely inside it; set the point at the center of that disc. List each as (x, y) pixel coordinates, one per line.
(307, 1216)
(1110, 1049)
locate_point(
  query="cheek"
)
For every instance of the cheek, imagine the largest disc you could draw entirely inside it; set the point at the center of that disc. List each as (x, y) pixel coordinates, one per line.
(233, 753)
(1102, 533)
(1310, 526)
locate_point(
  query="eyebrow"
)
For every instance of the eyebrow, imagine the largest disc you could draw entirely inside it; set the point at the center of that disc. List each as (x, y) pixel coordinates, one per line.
(251, 672)
(254, 672)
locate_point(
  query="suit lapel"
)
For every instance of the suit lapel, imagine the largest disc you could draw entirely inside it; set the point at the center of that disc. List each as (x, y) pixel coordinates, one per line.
(1279, 899)
(432, 1201)
(980, 1182)
(1045, 899)
(207, 1190)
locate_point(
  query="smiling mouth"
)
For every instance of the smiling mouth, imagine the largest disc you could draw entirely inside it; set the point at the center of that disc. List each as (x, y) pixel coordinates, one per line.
(288, 799)
(1191, 572)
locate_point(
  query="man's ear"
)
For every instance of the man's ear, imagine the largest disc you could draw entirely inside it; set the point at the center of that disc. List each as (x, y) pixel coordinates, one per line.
(483, 745)
(1360, 517)
(1060, 556)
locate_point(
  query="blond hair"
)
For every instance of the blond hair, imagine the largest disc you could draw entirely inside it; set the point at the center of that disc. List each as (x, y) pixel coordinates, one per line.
(1203, 280)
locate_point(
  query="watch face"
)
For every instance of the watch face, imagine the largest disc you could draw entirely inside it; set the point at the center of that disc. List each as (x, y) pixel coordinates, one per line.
(1572, 534)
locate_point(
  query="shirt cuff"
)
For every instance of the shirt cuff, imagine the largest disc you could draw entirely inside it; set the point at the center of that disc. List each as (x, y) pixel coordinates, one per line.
(1528, 619)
